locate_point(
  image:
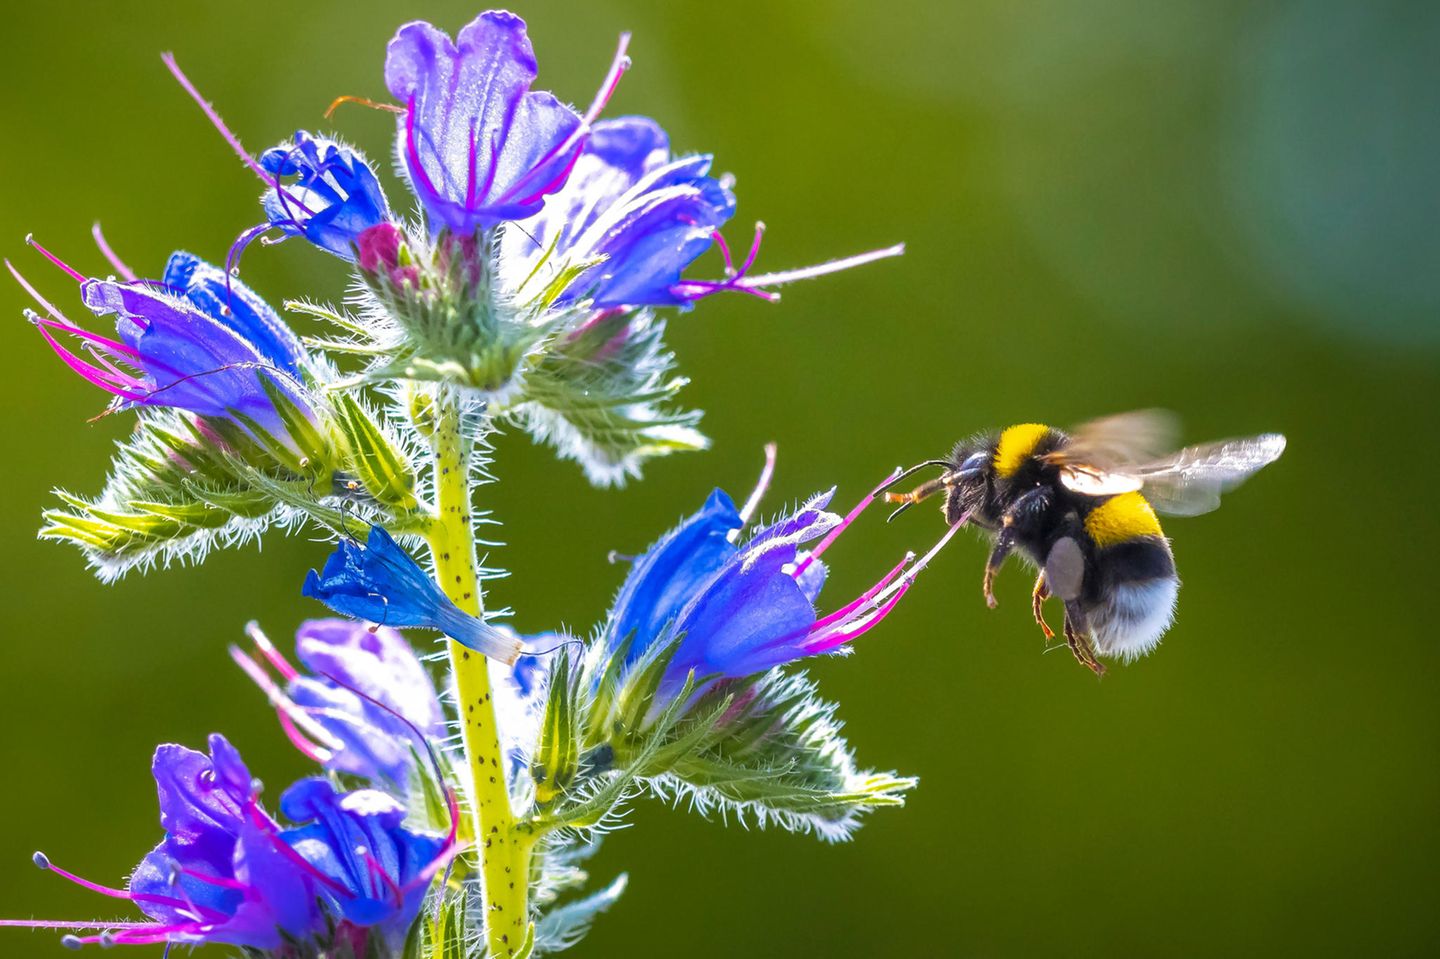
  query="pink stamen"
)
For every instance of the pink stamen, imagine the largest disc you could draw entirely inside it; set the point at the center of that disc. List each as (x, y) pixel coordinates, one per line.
(850, 517)
(34, 293)
(747, 512)
(109, 254)
(373, 866)
(214, 118)
(283, 703)
(833, 266)
(285, 849)
(864, 599)
(92, 374)
(75, 274)
(724, 248)
(66, 924)
(114, 347)
(825, 644)
(754, 250)
(306, 748)
(268, 650)
(618, 65)
(43, 862)
(934, 551)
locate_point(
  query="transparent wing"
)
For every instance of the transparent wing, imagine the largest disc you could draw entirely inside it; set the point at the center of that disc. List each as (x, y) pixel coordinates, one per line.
(1190, 482)
(1115, 444)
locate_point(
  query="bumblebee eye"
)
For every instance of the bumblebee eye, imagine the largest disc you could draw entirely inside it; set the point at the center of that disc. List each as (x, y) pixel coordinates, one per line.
(974, 463)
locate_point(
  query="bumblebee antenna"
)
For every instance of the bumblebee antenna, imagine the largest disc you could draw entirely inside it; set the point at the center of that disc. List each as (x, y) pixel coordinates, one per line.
(946, 464)
(923, 491)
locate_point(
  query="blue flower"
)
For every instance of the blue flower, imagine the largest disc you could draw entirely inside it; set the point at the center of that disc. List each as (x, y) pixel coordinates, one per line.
(478, 146)
(197, 340)
(736, 610)
(369, 705)
(645, 216)
(381, 583)
(334, 198)
(374, 870)
(227, 873)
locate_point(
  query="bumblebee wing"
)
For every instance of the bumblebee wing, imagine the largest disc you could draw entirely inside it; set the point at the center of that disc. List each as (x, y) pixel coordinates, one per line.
(1115, 443)
(1090, 481)
(1102, 457)
(1190, 482)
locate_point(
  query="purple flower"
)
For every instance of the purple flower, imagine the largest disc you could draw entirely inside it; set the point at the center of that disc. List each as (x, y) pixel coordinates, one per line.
(227, 873)
(334, 198)
(368, 706)
(373, 869)
(646, 216)
(196, 340)
(478, 145)
(736, 610)
(381, 583)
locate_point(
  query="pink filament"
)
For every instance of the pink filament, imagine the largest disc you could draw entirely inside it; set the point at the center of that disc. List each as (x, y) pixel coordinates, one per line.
(219, 124)
(767, 472)
(618, 65)
(268, 650)
(850, 517)
(821, 269)
(75, 274)
(110, 255)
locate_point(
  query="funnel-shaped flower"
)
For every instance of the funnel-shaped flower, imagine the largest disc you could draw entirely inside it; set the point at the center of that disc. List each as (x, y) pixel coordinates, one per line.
(334, 197)
(368, 865)
(381, 583)
(227, 873)
(644, 216)
(198, 340)
(367, 706)
(739, 610)
(478, 145)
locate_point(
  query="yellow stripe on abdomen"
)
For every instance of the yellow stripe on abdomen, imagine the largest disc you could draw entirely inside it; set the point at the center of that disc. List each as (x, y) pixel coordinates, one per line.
(1015, 444)
(1121, 518)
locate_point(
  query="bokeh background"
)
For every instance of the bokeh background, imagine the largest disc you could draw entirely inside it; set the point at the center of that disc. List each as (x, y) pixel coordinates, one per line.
(1224, 208)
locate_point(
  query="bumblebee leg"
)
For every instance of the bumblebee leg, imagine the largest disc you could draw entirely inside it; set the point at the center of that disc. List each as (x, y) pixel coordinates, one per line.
(1077, 636)
(1003, 545)
(1037, 605)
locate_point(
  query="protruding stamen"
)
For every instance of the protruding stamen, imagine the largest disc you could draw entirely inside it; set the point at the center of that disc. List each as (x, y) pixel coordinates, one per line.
(618, 65)
(850, 517)
(282, 702)
(109, 254)
(747, 512)
(214, 118)
(615, 556)
(822, 269)
(268, 650)
(75, 274)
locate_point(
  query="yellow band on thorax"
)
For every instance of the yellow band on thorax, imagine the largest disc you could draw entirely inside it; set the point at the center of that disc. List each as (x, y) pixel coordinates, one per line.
(1015, 444)
(1121, 518)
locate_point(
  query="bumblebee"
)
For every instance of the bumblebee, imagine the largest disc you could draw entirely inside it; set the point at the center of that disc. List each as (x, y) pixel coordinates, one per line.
(1081, 508)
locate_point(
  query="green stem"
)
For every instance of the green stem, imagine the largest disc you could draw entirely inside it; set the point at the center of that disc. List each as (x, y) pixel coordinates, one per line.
(504, 850)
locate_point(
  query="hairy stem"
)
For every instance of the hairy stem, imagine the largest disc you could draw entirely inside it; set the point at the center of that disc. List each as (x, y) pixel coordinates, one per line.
(504, 851)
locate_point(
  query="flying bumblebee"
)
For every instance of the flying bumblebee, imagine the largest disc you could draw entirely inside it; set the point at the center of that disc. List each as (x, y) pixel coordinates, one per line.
(1080, 507)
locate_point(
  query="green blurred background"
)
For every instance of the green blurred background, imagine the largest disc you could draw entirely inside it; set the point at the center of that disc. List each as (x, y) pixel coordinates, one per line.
(1228, 209)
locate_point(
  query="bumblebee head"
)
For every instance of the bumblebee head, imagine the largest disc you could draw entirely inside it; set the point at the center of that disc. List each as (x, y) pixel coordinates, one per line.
(968, 482)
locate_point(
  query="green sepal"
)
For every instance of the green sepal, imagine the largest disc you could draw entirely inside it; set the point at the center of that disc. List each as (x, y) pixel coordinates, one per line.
(557, 753)
(376, 461)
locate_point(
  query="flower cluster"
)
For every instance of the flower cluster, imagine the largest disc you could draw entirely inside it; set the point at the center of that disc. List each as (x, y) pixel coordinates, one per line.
(454, 818)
